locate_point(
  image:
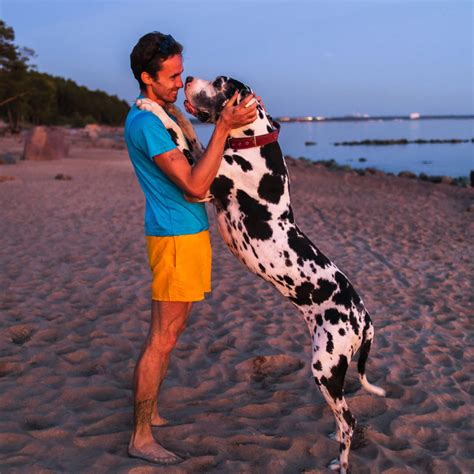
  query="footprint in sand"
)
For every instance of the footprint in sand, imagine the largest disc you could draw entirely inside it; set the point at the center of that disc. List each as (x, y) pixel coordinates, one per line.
(260, 367)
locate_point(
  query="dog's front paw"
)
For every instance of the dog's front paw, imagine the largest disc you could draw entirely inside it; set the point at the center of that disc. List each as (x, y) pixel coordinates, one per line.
(206, 198)
(145, 104)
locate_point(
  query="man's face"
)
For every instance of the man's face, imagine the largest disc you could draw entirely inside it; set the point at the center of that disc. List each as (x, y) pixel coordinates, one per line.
(165, 86)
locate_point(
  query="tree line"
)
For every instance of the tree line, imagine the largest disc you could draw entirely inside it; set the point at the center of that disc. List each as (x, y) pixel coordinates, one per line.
(31, 97)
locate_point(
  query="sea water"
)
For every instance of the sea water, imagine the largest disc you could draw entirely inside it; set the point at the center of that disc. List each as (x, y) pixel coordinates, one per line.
(433, 159)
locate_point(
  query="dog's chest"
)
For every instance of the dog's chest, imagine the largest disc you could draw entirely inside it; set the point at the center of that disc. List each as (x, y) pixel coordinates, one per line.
(260, 255)
(244, 167)
(251, 199)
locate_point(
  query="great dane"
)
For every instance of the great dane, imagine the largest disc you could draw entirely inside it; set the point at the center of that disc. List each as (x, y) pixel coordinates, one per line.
(252, 199)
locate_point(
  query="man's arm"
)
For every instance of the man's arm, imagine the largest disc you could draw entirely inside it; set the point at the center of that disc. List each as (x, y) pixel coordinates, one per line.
(196, 180)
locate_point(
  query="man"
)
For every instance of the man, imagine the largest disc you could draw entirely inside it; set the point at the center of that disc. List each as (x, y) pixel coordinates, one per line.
(176, 229)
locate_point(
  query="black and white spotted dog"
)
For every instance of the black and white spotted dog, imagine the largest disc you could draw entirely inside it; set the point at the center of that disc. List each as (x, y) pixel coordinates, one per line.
(255, 219)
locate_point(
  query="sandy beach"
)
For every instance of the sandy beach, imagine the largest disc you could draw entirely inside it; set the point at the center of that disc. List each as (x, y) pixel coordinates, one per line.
(74, 306)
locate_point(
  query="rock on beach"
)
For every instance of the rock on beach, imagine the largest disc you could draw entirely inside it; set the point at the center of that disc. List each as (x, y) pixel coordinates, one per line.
(45, 143)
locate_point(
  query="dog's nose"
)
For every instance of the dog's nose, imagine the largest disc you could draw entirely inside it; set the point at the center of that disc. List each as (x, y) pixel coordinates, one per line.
(189, 79)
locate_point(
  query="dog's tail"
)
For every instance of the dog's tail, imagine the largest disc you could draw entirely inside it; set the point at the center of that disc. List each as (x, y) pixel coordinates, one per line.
(363, 355)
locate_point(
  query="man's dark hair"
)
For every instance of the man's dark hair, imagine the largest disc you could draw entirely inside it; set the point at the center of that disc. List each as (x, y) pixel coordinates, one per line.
(150, 52)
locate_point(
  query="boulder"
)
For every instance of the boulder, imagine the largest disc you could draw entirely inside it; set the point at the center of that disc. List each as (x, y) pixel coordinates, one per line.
(447, 180)
(3, 128)
(45, 143)
(92, 131)
(407, 174)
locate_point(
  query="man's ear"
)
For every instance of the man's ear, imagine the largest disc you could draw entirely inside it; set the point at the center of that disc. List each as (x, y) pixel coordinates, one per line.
(146, 78)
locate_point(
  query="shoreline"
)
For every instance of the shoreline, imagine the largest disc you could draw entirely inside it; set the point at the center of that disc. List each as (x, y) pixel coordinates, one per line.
(333, 165)
(105, 137)
(377, 118)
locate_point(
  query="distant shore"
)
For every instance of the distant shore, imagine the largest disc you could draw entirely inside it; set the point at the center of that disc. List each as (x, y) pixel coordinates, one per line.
(403, 141)
(364, 118)
(367, 118)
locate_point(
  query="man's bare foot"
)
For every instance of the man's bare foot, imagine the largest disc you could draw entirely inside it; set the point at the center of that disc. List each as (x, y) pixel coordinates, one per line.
(153, 452)
(157, 420)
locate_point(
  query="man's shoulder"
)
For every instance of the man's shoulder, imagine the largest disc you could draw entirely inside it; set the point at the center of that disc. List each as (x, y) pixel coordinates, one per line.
(146, 132)
(137, 119)
(142, 123)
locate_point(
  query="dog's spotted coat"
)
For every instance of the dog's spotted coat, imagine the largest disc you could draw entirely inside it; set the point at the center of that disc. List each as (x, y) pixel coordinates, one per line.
(251, 194)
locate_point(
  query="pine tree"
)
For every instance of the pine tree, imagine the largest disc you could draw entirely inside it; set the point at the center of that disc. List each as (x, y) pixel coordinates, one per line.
(28, 96)
(14, 67)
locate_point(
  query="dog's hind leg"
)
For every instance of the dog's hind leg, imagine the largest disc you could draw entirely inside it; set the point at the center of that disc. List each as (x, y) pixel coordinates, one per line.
(368, 336)
(330, 380)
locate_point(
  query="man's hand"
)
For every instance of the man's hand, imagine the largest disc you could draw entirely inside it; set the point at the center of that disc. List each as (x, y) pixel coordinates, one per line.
(195, 182)
(236, 116)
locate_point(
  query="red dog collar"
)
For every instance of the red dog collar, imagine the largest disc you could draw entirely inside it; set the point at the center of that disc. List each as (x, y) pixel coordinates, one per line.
(254, 141)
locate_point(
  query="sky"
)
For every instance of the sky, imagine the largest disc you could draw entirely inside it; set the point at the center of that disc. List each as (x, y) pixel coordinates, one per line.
(303, 57)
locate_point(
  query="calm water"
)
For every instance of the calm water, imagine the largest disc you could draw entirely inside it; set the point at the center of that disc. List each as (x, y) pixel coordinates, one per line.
(442, 159)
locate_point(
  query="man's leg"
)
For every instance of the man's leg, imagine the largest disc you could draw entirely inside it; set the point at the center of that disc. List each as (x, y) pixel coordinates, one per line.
(168, 320)
(156, 419)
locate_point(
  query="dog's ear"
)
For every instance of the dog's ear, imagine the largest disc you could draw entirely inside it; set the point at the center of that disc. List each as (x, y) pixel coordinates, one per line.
(230, 87)
(219, 82)
(243, 94)
(233, 86)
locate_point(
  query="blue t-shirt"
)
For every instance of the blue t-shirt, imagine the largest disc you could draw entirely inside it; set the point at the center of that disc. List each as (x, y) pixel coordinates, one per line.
(166, 211)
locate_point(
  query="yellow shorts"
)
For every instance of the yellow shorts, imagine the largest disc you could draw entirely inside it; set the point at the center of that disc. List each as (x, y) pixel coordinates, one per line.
(181, 266)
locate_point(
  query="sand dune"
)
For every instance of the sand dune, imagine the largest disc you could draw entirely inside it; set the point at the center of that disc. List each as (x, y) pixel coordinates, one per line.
(74, 305)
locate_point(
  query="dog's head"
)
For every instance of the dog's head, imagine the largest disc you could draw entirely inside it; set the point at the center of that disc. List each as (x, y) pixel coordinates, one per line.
(205, 99)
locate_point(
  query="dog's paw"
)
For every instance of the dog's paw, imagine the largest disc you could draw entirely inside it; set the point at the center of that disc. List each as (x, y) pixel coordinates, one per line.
(334, 465)
(145, 104)
(207, 198)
